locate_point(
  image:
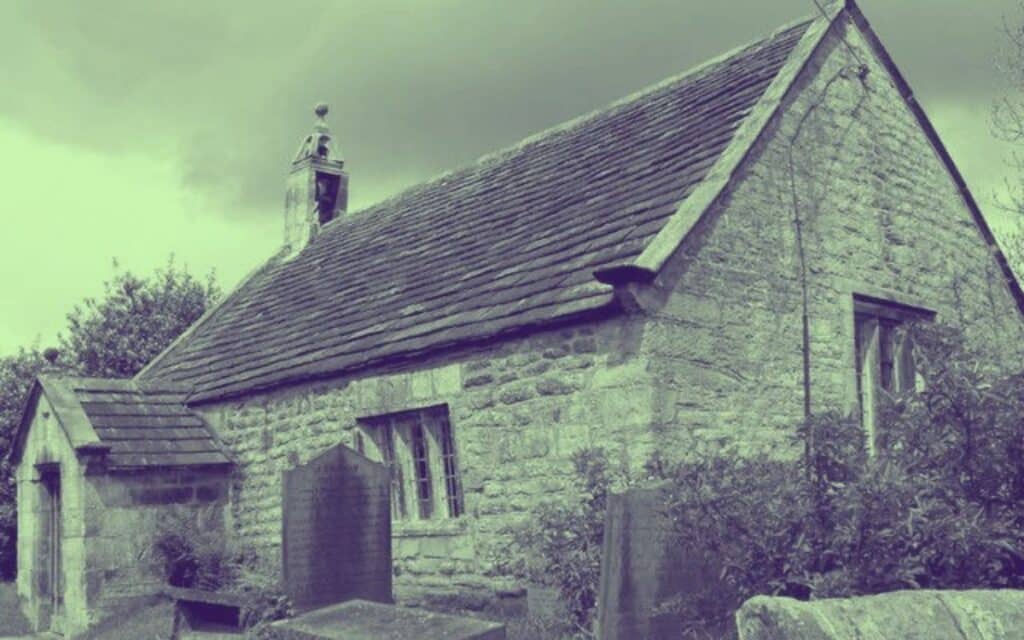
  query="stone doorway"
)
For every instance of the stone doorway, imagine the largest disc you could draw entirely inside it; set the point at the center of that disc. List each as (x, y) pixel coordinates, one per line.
(52, 577)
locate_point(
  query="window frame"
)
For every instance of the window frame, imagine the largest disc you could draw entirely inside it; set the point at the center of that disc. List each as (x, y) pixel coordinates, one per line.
(875, 332)
(421, 489)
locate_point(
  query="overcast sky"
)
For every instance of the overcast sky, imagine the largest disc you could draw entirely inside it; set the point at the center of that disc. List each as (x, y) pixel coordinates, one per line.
(134, 130)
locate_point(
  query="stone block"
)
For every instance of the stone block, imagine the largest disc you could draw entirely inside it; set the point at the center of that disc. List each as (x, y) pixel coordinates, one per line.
(478, 380)
(421, 386)
(447, 380)
(361, 620)
(908, 615)
(630, 373)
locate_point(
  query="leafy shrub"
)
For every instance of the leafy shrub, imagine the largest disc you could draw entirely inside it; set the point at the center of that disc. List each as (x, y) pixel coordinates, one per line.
(114, 335)
(191, 546)
(265, 600)
(941, 505)
(563, 540)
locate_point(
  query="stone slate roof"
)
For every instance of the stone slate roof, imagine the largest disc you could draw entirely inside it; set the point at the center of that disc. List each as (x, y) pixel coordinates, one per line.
(507, 243)
(134, 426)
(146, 427)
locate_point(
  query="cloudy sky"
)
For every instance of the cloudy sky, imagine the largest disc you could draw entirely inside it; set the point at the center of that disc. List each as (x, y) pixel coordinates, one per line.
(136, 130)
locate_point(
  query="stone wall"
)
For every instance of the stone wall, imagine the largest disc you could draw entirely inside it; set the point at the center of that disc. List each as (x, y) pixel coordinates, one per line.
(518, 409)
(931, 615)
(47, 443)
(122, 510)
(720, 362)
(880, 216)
(107, 522)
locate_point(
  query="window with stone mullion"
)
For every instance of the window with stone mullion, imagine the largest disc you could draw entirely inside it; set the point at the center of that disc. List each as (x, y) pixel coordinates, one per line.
(381, 433)
(453, 484)
(418, 447)
(421, 469)
(884, 358)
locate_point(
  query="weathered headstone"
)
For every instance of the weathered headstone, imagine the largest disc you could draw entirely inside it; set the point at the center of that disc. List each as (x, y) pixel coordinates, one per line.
(900, 615)
(337, 530)
(642, 568)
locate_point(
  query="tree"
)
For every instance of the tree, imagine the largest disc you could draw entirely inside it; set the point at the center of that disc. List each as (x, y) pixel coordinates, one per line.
(16, 375)
(111, 336)
(1008, 111)
(137, 318)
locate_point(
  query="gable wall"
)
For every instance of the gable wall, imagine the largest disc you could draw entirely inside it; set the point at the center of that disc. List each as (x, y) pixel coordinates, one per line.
(881, 215)
(518, 409)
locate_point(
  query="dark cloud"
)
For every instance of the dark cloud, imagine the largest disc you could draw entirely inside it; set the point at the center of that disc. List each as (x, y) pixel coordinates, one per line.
(415, 87)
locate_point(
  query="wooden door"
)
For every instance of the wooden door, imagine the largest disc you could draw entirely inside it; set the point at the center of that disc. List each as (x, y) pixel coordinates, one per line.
(54, 560)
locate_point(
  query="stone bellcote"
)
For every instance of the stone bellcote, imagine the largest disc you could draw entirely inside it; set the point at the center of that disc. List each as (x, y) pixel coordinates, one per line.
(317, 187)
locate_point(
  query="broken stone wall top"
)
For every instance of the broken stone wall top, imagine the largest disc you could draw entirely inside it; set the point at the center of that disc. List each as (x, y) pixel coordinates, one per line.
(903, 615)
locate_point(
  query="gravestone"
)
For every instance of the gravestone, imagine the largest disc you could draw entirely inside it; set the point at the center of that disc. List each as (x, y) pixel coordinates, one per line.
(361, 620)
(336, 539)
(643, 567)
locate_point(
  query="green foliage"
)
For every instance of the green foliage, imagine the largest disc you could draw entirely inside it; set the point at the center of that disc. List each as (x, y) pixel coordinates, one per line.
(16, 375)
(190, 545)
(136, 318)
(265, 598)
(115, 336)
(12, 620)
(563, 540)
(941, 504)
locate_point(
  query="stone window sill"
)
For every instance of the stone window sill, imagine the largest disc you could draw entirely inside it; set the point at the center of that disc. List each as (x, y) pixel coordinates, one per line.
(426, 528)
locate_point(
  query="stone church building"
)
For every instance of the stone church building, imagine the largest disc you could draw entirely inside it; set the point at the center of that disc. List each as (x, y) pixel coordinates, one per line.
(645, 278)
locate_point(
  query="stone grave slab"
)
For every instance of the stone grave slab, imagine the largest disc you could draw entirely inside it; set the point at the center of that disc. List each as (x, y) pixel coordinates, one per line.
(364, 620)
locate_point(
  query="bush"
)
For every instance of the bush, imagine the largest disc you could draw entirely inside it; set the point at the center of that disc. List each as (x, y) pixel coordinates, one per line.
(192, 549)
(190, 545)
(563, 540)
(941, 505)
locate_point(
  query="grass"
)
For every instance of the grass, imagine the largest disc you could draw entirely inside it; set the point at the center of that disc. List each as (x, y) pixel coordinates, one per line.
(151, 622)
(534, 628)
(12, 622)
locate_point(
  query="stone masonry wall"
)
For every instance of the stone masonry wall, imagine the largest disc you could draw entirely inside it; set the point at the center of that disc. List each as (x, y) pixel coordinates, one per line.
(107, 522)
(881, 216)
(122, 511)
(518, 409)
(47, 443)
(720, 362)
(937, 615)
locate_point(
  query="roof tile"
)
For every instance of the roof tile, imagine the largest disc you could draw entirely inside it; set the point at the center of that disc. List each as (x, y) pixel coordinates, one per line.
(145, 425)
(508, 242)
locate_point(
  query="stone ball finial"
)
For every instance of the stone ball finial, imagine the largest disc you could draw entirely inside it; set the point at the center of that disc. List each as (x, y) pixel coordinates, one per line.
(321, 109)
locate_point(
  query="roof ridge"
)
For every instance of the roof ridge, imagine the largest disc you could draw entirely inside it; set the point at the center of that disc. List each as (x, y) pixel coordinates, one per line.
(577, 121)
(545, 212)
